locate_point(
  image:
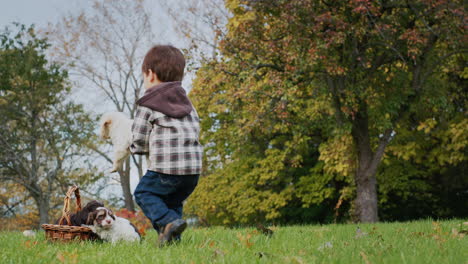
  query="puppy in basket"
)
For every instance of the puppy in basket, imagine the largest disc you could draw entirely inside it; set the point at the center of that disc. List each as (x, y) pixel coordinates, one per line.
(118, 127)
(111, 228)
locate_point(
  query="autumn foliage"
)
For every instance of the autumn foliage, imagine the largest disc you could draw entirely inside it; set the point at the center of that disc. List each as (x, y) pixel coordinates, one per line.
(138, 219)
(320, 105)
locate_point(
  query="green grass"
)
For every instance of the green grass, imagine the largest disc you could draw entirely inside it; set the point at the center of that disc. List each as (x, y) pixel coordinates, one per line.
(413, 242)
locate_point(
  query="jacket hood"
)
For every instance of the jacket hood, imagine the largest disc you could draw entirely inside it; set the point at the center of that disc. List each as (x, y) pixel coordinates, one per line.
(168, 98)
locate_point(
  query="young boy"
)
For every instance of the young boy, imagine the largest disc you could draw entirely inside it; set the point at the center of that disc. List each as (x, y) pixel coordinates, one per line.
(166, 126)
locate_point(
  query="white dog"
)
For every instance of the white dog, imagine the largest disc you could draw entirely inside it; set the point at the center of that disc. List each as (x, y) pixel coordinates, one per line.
(111, 228)
(118, 127)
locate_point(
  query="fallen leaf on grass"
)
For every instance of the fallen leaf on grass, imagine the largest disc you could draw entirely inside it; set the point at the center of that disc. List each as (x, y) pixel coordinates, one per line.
(68, 257)
(459, 234)
(212, 243)
(364, 257)
(297, 260)
(29, 244)
(438, 238)
(245, 239)
(294, 259)
(439, 235)
(60, 257)
(421, 234)
(436, 227)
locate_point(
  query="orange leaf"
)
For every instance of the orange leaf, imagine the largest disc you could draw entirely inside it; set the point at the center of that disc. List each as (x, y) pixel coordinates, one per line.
(212, 243)
(60, 257)
(142, 231)
(27, 244)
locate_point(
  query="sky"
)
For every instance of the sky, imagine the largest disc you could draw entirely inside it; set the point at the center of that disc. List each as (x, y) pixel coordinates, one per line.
(38, 12)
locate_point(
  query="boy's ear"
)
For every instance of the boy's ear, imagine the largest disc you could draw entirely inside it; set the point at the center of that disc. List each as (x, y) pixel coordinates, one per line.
(153, 77)
(147, 73)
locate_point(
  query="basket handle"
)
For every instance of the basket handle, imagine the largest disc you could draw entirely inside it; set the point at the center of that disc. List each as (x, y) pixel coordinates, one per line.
(66, 204)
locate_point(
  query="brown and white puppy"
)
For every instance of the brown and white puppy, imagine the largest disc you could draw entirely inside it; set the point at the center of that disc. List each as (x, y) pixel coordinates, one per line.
(101, 218)
(111, 228)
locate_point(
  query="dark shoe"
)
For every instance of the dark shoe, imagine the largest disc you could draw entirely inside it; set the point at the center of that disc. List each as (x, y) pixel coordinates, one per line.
(172, 231)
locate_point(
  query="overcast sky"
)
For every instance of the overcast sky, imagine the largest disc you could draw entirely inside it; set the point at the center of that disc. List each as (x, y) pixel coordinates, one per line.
(38, 12)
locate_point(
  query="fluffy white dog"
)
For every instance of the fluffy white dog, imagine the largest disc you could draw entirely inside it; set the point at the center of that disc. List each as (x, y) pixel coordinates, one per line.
(118, 127)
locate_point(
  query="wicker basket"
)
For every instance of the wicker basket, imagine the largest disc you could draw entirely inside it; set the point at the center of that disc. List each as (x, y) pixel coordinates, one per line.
(67, 233)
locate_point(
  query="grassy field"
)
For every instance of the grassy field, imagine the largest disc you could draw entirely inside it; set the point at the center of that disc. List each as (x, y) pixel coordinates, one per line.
(414, 242)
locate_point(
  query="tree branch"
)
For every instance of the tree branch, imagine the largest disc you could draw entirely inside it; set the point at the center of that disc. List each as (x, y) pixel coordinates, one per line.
(384, 140)
(102, 154)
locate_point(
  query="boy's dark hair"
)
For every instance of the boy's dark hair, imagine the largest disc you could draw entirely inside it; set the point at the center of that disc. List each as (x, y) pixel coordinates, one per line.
(166, 61)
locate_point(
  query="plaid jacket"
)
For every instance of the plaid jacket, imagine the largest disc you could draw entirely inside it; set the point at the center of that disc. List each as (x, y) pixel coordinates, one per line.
(172, 143)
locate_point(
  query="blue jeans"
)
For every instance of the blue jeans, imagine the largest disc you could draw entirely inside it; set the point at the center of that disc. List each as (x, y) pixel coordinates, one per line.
(160, 196)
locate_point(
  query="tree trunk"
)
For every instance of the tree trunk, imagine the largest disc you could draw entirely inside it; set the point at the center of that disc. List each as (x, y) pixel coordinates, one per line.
(125, 183)
(366, 197)
(365, 179)
(43, 207)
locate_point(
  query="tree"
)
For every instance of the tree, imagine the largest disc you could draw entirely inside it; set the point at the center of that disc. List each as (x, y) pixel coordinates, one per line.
(355, 73)
(105, 49)
(424, 169)
(43, 136)
(203, 25)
